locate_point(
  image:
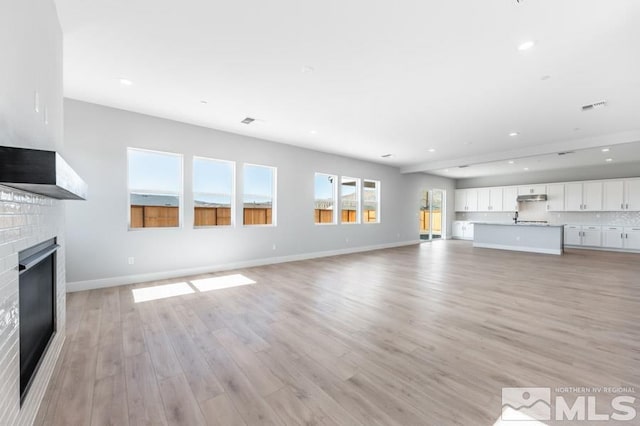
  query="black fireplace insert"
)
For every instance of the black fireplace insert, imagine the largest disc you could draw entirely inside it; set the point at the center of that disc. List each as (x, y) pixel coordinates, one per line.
(37, 302)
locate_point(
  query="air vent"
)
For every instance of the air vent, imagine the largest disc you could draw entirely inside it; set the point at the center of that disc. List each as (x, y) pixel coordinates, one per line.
(566, 153)
(386, 155)
(595, 105)
(463, 167)
(248, 120)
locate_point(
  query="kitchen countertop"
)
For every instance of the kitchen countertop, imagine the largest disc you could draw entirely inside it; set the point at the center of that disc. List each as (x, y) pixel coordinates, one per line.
(549, 225)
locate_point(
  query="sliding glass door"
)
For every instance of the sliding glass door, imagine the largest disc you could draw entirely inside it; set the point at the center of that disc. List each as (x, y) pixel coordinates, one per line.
(432, 215)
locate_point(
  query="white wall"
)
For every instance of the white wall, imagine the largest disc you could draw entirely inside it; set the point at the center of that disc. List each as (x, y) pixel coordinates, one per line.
(31, 47)
(415, 183)
(99, 243)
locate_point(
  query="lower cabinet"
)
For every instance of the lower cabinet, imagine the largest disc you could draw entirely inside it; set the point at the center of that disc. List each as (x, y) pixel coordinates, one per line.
(463, 230)
(578, 235)
(613, 237)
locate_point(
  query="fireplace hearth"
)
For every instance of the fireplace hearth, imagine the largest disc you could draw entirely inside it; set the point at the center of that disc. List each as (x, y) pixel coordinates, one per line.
(37, 318)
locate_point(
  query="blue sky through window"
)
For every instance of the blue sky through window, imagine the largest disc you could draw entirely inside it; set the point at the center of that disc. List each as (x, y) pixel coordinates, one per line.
(155, 171)
(212, 181)
(324, 186)
(258, 184)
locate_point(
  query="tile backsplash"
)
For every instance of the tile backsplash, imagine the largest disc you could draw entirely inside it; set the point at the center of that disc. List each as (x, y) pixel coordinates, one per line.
(537, 211)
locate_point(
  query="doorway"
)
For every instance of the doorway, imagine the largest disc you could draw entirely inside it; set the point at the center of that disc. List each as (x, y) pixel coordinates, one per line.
(432, 215)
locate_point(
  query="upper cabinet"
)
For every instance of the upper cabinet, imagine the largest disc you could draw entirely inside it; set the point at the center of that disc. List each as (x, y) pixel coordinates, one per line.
(490, 199)
(579, 196)
(622, 195)
(510, 199)
(532, 189)
(466, 200)
(555, 197)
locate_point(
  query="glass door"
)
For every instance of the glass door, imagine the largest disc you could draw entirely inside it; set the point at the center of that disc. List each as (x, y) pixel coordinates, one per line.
(432, 215)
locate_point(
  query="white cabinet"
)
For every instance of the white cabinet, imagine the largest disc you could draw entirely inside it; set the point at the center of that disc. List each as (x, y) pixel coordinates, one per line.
(632, 238)
(490, 199)
(632, 195)
(592, 236)
(583, 196)
(510, 199)
(466, 200)
(613, 237)
(555, 197)
(613, 195)
(462, 230)
(495, 196)
(576, 235)
(621, 195)
(573, 196)
(532, 189)
(484, 199)
(573, 235)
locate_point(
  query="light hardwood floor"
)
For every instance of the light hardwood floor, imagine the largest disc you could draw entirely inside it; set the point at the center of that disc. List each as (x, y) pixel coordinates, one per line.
(424, 334)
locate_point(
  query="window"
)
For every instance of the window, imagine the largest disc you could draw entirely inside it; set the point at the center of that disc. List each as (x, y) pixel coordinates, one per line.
(371, 201)
(259, 195)
(325, 198)
(213, 198)
(349, 200)
(155, 189)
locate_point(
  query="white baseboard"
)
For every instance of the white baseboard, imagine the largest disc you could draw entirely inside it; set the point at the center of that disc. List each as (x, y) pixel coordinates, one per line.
(176, 273)
(516, 248)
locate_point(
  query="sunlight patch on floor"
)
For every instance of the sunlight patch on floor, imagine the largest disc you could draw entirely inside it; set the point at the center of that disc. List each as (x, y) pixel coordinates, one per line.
(161, 292)
(517, 418)
(218, 283)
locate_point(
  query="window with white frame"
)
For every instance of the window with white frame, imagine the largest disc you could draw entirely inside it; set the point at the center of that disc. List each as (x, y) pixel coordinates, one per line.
(349, 200)
(259, 195)
(325, 188)
(155, 189)
(371, 201)
(213, 192)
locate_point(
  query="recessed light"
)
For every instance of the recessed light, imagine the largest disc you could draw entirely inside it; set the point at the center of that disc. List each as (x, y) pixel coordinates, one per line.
(511, 161)
(526, 169)
(514, 134)
(307, 69)
(313, 132)
(605, 150)
(125, 82)
(204, 102)
(432, 150)
(608, 160)
(386, 155)
(526, 45)
(446, 170)
(545, 77)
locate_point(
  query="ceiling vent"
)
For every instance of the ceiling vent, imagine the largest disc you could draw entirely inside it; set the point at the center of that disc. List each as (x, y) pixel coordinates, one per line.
(566, 153)
(248, 120)
(386, 155)
(463, 167)
(595, 105)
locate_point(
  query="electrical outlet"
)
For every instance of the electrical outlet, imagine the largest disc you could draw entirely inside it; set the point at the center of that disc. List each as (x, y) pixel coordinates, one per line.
(132, 260)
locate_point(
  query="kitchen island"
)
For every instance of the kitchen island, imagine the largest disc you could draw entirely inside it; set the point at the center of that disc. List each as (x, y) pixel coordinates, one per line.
(535, 238)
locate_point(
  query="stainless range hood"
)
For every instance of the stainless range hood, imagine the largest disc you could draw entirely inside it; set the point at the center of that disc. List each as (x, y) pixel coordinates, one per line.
(40, 172)
(533, 197)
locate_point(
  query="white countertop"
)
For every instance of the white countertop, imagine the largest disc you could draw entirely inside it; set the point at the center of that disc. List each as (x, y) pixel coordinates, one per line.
(549, 225)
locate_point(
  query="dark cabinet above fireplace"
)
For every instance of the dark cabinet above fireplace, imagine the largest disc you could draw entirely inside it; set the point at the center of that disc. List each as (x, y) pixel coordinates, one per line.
(40, 172)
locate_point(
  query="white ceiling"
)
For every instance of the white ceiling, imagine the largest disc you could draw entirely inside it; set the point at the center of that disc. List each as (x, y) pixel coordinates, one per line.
(615, 155)
(397, 77)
